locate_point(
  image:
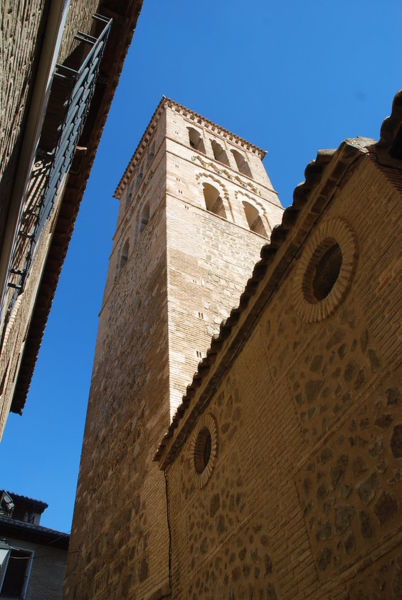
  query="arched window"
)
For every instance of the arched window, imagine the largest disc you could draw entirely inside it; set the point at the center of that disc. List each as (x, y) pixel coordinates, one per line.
(213, 201)
(124, 254)
(219, 153)
(241, 163)
(151, 153)
(129, 195)
(253, 219)
(195, 140)
(139, 178)
(144, 218)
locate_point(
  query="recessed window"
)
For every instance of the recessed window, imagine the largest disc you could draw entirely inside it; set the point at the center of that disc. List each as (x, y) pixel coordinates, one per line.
(241, 163)
(139, 179)
(213, 200)
(322, 271)
(129, 196)
(202, 450)
(195, 140)
(16, 577)
(151, 153)
(124, 254)
(144, 218)
(325, 270)
(253, 219)
(219, 153)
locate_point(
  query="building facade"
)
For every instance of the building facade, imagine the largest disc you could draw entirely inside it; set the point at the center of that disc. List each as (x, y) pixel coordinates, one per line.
(32, 558)
(61, 60)
(283, 462)
(196, 206)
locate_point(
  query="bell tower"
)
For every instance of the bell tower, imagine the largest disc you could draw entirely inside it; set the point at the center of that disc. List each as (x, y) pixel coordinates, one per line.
(196, 205)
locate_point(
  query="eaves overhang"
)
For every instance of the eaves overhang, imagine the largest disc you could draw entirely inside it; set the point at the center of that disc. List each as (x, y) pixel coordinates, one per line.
(124, 14)
(192, 115)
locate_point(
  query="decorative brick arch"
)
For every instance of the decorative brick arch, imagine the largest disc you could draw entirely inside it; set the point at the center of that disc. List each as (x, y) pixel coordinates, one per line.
(258, 205)
(335, 232)
(214, 181)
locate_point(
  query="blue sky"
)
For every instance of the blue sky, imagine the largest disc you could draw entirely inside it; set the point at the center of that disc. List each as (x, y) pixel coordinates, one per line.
(291, 77)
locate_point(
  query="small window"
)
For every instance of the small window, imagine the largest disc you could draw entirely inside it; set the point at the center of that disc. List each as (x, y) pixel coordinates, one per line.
(219, 153)
(129, 196)
(323, 270)
(144, 218)
(213, 201)
(124, 254)
(241, 163)
(253, 219)
(17, 573)
(195, 140)
(202, 450)
(151, 153)
(138, 179)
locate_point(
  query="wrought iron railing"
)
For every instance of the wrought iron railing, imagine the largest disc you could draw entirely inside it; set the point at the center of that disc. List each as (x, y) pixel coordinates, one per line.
(74, 87)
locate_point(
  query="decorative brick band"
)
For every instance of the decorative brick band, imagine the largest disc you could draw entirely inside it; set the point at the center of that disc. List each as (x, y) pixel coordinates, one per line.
(332, 238)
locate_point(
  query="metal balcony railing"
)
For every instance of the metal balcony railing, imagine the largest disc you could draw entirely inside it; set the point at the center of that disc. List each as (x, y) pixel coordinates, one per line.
(72, 91)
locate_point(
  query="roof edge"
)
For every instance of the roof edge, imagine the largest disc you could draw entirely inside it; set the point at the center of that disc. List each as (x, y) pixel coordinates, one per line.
(343, 158)
(137, 154)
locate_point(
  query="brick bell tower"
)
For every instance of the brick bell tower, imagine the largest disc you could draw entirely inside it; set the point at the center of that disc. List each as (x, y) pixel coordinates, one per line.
(196, 205)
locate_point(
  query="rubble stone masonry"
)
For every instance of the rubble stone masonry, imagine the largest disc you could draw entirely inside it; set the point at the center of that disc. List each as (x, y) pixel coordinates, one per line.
(301, 496)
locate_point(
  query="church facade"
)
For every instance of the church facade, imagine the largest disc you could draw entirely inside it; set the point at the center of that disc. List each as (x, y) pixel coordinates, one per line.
(279, 475)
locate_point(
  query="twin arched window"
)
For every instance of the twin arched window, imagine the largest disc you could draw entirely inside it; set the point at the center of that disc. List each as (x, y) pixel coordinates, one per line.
(144, 218)
(124, 254)
(241, 163)
(253, 219)
(213, 201)
(219, 153)
(151, 153)
(195, 140)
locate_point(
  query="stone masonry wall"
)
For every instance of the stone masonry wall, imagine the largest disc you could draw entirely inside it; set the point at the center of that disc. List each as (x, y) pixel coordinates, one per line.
(305, 494)
(120, 509)
(165, 267)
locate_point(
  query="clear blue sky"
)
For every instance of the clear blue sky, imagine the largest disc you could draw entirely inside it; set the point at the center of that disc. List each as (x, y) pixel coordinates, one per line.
(289, 76)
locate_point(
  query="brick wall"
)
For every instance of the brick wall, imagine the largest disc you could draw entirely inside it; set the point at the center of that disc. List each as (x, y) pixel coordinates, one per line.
(22, 25)
(48, 566)
(183, 262)
(304, 497)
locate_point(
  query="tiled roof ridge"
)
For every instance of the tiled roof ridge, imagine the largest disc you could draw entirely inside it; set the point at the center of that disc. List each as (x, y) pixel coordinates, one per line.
(313, 175)
(151, 126)
(14, 496)
(32, 527)
(390, 128)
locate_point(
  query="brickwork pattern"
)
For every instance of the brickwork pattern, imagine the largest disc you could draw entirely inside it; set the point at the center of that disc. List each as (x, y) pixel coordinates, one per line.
(304, 499)
(20, 24)
(174, 273)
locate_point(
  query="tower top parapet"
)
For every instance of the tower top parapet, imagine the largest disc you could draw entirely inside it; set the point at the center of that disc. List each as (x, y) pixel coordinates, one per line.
(193, 116)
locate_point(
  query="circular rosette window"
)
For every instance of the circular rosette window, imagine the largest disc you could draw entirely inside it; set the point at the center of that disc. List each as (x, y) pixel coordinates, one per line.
(325, 270)
(204, 448)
